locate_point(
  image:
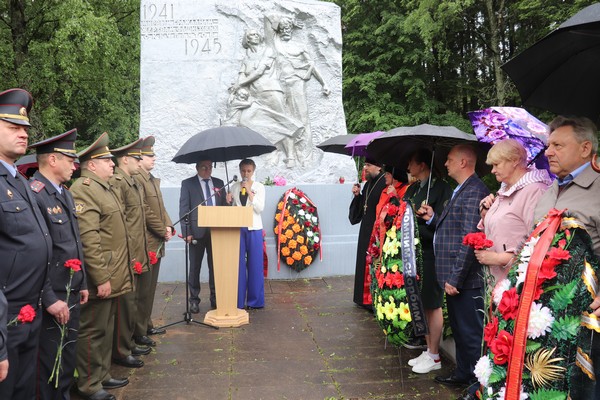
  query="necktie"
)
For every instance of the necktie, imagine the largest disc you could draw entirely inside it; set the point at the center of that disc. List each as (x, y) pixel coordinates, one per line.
(209, 201)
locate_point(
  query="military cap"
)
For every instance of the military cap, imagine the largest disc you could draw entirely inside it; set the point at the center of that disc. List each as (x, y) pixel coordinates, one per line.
(147, 147)
(15, 105)
(63, 143)
(132, 149)
(98, 149)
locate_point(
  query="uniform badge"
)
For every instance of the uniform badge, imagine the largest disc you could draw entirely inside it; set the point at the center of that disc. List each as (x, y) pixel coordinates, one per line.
(49, 210)
(9, 194)
(79, 208)
(36, 185)
(57, 210)
(23, 112)
(87, 181)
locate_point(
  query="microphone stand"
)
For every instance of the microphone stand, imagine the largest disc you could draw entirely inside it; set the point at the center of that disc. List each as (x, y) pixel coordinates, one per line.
(187, 315)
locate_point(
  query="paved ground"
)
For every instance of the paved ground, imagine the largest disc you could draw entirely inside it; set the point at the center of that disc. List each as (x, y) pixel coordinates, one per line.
(310, 342)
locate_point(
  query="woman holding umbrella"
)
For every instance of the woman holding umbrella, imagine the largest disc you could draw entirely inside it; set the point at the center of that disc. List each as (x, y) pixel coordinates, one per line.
(507, 218)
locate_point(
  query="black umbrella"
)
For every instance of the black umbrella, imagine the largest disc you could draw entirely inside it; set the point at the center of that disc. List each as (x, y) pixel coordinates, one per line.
(223, 144)
(337, 144)
(396, 146)
(559, 73)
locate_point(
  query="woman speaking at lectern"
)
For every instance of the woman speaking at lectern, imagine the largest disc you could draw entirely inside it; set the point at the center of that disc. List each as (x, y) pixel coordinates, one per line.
(248, 193)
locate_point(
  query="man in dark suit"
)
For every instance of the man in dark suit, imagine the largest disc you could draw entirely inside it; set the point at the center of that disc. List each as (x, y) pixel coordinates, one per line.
(202, 190)
(25, 246)
(55, 157)
(457, 269)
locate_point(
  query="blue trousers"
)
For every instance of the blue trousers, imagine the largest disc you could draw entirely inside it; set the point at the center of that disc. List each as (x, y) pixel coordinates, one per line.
(251, 281)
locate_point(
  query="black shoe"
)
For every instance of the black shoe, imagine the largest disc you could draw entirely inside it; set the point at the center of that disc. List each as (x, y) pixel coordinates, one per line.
(99, 395)
(194, 308)
(468, 396)
(451, 381)
(113, 383)
(129, 362)
(416, 344)
(144, 341)
(140, 351)
(156, 331)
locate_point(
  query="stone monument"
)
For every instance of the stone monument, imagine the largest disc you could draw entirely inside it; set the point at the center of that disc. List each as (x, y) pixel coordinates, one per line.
(272, 66)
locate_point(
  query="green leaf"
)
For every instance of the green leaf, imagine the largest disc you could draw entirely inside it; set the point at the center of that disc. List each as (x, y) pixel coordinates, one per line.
(566, 327)
(548, 394)
(563, 296)
(532, 346)
(498, 374)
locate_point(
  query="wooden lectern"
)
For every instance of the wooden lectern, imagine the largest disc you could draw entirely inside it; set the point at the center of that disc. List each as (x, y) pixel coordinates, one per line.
(225, 223)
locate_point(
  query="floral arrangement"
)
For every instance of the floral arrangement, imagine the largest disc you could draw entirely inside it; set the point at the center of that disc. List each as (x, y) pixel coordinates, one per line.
(477, 240)
(26, 314)
(539, 334)
(384, 258)
(73, 265)
(297, 230)
(277, 181)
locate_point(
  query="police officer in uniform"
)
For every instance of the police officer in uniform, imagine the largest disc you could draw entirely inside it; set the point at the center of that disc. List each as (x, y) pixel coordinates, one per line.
(124, 186)
(107, 260)
(25, 247)
(159, 229)
(56, 159)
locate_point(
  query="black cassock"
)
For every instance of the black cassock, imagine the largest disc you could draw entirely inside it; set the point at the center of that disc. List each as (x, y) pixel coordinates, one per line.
(369, 195)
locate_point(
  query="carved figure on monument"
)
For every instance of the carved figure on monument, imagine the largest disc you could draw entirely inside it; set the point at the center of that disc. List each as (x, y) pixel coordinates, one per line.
(257, 99)
(295, 67)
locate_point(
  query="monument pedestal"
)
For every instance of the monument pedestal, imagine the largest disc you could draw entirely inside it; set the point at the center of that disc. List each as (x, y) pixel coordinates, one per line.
(225, 224)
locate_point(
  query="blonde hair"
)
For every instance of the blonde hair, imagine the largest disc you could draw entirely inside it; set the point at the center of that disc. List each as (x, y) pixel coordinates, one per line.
(507, 150)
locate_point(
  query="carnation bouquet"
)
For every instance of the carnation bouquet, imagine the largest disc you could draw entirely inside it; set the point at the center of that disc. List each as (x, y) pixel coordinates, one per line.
(297, 230)
(385, 261)
(539, 335)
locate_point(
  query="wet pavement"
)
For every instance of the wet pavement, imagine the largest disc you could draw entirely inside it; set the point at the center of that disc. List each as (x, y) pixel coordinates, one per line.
(309, 342)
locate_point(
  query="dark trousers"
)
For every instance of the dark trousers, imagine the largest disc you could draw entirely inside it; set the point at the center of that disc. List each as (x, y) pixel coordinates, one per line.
(196, 255)
(466, 321)
(49, 340)
(144, 297)
(154, 271)
(22, 345)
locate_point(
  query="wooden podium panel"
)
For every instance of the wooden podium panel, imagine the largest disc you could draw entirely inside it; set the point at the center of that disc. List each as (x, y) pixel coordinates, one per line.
(225, 223)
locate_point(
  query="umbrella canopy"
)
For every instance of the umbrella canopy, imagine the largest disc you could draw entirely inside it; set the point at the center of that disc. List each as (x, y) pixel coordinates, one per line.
(223, 143)
(494, 124)
(397, 145)
(559, 73)
(337, 144)
(358, 145)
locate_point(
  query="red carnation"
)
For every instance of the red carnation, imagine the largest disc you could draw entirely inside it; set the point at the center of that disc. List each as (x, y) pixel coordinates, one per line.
(316, 246)
(73, 264)
(295, 202)
(509, 304)
(392, 209)
(137, 267)
(547, 269)
(306, 223)
(303, 206)
(27, 314)
(389, 280)
(153, 258)
(490, 330)
(311, 210)
(562, 243)
(477, 240)
(398, 280)
(501, 347)
(558, 254)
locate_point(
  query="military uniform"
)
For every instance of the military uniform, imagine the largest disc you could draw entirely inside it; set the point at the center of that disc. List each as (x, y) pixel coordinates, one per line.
(106, 256)
(157, 221)
(25, 251)
(125, 187)
(58, 209)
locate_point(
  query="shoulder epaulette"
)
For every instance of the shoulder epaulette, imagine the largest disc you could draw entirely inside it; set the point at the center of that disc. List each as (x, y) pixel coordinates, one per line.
(118, 177)
(36, 185)
(87, 181)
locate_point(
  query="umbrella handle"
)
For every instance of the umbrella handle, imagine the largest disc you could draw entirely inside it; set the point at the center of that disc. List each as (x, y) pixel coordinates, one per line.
(594, 163)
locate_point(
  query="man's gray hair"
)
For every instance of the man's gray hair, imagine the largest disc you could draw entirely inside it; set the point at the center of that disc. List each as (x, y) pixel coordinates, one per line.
(584, 128)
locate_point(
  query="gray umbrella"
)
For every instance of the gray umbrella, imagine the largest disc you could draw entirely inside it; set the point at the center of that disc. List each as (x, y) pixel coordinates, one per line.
(223, 143)
(337, 144)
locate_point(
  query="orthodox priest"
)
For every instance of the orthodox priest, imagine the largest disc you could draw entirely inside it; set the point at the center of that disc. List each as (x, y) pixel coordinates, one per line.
(363, 210)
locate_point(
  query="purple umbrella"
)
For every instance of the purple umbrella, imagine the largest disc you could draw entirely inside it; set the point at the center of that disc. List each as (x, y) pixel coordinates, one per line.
(494, 124)
(358, 145)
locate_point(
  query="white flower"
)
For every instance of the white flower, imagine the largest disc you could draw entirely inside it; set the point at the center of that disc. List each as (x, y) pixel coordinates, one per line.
(302, 200)
(314, 219)
(502, 394)
(300, 212)
(500, 288)
(521, 272)
(316, 239)
(540, 321)
(307, 215)
(292, 195)
(483, 370)
(309, 233)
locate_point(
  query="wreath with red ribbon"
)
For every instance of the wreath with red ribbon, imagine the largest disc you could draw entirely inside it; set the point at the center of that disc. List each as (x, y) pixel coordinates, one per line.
(297, 230)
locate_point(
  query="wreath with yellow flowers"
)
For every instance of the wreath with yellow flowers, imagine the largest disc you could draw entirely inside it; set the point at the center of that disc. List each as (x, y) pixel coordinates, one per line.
(297, 230)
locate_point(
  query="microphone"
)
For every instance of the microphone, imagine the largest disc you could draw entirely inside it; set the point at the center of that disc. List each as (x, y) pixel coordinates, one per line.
(243, 188)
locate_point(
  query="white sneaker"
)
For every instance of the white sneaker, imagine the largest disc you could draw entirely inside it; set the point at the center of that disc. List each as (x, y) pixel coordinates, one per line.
(417, 360)
(426, 365)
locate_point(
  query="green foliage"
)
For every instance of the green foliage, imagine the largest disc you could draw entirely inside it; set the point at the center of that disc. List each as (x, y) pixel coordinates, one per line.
(547, 394)
(532, 346)
(565, 328)
(563, 296)
(497, 374)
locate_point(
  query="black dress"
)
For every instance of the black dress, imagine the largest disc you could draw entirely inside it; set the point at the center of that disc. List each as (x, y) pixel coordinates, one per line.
(369, 195)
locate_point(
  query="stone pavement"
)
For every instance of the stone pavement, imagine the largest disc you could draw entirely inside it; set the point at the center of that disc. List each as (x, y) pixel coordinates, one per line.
(309, 342)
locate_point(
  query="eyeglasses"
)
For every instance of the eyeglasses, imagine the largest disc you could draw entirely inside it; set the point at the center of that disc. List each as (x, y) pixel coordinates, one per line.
(204, 167)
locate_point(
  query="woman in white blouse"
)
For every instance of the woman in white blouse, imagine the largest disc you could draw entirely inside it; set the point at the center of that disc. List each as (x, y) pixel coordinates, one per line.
(249, 193)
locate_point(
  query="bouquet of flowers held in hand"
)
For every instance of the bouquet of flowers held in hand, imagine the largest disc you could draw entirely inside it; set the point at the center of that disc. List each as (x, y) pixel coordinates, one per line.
(539, 336)
(297, 230)
(74, 265)
(26, 314)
